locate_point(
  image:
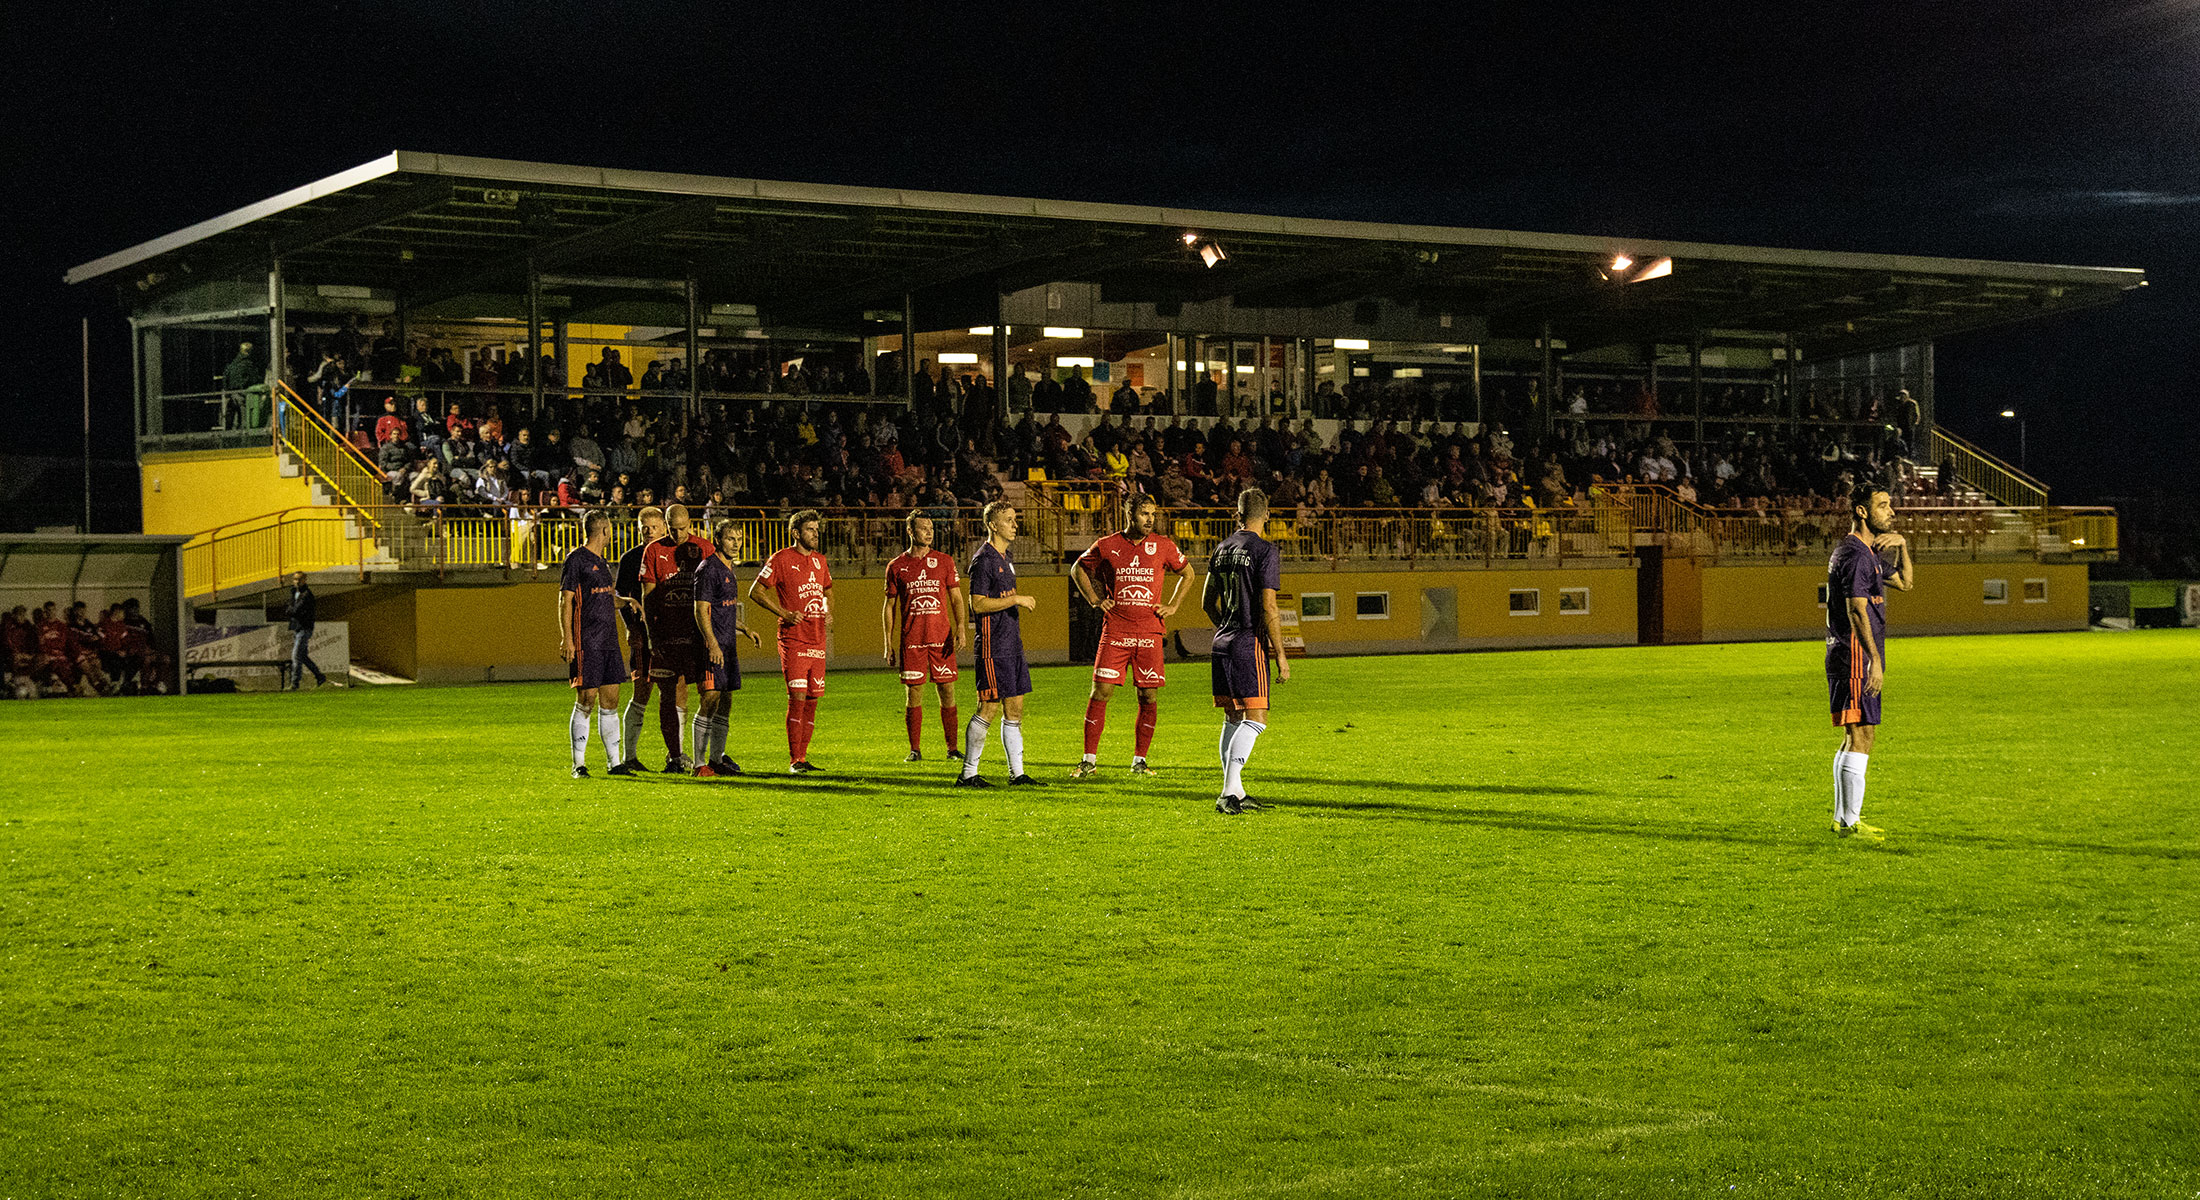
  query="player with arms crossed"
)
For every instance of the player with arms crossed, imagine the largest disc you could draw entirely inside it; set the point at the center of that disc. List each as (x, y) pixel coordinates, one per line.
(1004, 678)
(1121, 576)
(651, 523)
(797, 587)
(718, 617)
(1856, 639)
(925, 627)
(676, 650)
(588, 641)
(1242, 578)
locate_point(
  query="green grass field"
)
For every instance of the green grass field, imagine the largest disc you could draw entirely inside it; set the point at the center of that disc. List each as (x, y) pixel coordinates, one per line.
(1558, 923)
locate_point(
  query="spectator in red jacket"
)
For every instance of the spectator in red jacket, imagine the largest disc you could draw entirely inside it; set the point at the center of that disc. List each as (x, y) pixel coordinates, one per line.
(392, 426)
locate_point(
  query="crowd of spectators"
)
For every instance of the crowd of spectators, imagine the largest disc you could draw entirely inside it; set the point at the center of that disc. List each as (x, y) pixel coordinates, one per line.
(53, 651)
(791, 438)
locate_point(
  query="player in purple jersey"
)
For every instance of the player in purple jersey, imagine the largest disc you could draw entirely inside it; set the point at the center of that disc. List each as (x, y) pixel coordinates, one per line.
(1004, 678)
(1240, 598)
(588, 641)
(1857, 577)
(718, 616)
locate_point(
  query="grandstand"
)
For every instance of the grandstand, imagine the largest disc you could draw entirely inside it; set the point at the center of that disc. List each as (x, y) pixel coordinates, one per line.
(1477, 437)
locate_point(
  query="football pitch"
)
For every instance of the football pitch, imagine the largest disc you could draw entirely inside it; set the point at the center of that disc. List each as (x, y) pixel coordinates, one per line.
(1564, 923)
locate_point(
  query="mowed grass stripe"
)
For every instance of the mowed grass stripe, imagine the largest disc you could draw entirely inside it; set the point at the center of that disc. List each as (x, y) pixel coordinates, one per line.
(1564, 922)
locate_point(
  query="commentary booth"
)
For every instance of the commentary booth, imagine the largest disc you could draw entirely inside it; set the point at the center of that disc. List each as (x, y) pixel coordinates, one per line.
(539, 290)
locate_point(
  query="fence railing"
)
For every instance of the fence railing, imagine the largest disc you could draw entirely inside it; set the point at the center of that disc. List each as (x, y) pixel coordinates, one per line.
(356, 482)
(259, 552)
(1977, 469)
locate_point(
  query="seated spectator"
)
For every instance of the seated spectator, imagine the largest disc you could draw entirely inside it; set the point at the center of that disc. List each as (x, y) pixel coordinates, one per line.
(391, 426)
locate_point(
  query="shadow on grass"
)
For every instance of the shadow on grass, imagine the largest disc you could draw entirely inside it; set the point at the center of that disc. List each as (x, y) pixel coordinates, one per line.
(750, 780)
(1528, 821)
(1990, 842)
(1399, 785)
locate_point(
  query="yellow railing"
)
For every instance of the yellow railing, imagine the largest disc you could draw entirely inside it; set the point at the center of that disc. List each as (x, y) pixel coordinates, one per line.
(356, 481)
(260, 551)
(1979, 470)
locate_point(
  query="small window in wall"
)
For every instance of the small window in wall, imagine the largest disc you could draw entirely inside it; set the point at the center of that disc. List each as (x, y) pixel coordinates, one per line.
(1526, 602)
(1822, 594)
(1318, 606)
(1374, 606)
(2035, 591)
(1997, 591)
(1573, 600)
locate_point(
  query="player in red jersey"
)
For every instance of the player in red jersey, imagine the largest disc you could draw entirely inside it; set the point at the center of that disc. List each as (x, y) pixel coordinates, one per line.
(650, 522)
(925, 629)
(683, 647)
(797, 587)
(1121, 576)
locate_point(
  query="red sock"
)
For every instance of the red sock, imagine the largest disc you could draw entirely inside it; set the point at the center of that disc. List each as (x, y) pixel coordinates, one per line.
(948, 726)
(794, 728)
(914, 718)
(1147, 715)
(809, 725)
(1096, 720)
(668, 722)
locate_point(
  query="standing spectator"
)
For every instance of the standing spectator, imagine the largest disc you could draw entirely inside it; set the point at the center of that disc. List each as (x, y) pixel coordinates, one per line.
(238, 380)
(301, 633)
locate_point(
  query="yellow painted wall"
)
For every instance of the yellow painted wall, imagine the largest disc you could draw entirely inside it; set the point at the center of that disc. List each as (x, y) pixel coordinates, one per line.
(191, 491)
(1484, 615)
(1772, 602)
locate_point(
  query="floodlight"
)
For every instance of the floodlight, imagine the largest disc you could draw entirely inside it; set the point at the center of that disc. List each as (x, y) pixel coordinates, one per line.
(2009, 412)
(1657, 270)
(1191, 238)
(1621, 262)
(1211, 253)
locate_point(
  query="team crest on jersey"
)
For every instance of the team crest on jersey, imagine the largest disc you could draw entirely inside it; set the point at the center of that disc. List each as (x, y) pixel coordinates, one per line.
(1151, 548)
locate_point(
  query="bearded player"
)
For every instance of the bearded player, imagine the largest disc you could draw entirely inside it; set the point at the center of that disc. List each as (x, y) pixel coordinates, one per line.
(797, 587)
(680, 640)
(925, 629)
(1121, 576)
(718, 619)
(588, 641)
(1857, 577)
(651, 523)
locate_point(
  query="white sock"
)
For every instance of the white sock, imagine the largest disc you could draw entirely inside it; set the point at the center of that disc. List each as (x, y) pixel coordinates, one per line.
(631, 727)
(1241, 748)
(1840, 793)
(973, 745)
(1012, 743)
(683, 725)
(1222, 752)
(607, 727)
(577, 727)
(699, 736)
(1852, 787)
(717, 738)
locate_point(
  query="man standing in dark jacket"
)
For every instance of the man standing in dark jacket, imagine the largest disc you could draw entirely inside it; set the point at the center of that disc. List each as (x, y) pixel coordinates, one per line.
(301, 631)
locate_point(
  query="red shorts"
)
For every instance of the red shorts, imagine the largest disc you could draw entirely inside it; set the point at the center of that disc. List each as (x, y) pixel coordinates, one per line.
(804, 669)
(935, 662)
(1129, 658)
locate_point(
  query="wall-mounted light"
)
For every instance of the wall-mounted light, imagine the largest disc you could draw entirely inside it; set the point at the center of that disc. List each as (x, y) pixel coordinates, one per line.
(1069, 360)
(958, 358)
(981, 331)
(1062, 331)
(1349, 343)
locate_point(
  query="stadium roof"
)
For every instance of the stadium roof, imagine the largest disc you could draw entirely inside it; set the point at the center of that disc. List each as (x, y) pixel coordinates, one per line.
(436, 226)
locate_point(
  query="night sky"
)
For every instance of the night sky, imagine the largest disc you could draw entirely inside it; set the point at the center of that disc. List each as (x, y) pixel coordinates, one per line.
(2038, 132)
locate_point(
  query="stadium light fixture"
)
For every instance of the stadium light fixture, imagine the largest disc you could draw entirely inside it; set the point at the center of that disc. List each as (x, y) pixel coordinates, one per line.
(2009, 412)
(1191, 238)
(1062, 331)
(1621, 262)
(1656, 270)
(981, 331)
(1211, 253)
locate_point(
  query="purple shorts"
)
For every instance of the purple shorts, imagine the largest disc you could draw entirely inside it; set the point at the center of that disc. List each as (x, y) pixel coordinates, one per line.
(1240, 674)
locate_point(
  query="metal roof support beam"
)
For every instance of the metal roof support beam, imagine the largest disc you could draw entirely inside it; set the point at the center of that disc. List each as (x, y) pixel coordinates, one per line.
(1109, 255)
(1312, 266)
(673, 217)
(775, 243)
(974, 264)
